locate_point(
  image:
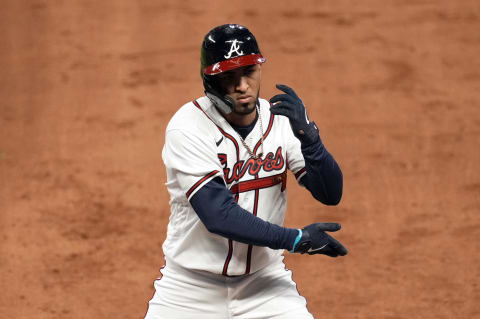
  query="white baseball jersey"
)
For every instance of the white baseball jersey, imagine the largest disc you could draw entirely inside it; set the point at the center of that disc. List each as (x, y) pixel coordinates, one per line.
(201, 145)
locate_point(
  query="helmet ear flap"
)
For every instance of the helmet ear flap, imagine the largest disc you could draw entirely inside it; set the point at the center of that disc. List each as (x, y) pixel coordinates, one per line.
(225, 104)
(222, 101)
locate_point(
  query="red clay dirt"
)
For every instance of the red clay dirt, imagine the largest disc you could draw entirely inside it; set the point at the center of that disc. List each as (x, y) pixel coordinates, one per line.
(86, 90)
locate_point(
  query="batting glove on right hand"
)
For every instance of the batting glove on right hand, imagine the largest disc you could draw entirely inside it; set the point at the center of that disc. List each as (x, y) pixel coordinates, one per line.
(314, 240)
(291, 106)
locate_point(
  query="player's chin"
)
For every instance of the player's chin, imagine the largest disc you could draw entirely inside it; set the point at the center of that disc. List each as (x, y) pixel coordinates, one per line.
(245, 108)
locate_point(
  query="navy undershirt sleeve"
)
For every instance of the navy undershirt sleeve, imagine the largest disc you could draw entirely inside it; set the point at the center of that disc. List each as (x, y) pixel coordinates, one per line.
(323, 176)
(221, 215)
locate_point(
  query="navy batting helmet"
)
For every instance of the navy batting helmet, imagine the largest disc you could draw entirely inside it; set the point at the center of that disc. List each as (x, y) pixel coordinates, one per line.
(225, 48)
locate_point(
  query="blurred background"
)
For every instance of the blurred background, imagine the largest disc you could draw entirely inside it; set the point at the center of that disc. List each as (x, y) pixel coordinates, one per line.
(87, 88)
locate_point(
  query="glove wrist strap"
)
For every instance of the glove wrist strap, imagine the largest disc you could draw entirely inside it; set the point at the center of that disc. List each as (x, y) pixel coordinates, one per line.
(299, 236)
(310, 135)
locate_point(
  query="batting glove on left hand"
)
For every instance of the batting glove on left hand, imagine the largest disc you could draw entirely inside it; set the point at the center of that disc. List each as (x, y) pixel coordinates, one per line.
(314, 240)
(291, 106)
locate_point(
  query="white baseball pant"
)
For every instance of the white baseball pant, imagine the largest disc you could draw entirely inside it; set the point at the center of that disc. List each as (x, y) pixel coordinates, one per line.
(269, 293)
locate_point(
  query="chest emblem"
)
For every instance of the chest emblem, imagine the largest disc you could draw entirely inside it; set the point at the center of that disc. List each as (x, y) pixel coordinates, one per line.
(271, 162)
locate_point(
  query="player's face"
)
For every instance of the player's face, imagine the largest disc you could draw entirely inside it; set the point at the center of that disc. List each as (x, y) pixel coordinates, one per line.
(243, 85)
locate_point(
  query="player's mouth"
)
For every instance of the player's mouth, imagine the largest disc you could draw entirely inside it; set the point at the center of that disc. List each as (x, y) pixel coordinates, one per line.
(244, 99)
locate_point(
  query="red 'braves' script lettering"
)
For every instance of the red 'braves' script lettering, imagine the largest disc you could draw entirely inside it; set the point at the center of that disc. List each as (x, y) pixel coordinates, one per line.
(252, 166)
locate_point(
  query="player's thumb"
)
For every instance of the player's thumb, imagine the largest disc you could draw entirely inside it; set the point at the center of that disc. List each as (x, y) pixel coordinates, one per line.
(329, 226)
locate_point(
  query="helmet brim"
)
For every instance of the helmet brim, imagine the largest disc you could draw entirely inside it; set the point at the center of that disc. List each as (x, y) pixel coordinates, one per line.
(230, 64)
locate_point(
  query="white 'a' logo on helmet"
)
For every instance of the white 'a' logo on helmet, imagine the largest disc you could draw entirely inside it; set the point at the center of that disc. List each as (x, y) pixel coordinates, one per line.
(234, 48)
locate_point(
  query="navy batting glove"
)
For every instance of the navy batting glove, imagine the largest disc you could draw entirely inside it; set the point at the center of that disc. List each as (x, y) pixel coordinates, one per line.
(314, 240)
(291, 106)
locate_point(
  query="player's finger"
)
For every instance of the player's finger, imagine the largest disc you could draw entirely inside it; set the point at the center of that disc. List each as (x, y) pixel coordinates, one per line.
(337, 246)
(281, 105)
(281, 109)
(329, 226)
(287, 89)
(282, 97)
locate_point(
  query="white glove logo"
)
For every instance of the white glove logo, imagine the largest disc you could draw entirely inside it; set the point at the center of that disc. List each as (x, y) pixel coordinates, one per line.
(316, 249)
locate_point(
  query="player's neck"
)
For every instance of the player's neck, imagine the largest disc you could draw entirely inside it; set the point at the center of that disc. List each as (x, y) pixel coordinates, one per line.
(241, 119)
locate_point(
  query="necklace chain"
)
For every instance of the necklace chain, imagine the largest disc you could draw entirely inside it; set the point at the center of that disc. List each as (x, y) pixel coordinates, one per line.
(252, 155)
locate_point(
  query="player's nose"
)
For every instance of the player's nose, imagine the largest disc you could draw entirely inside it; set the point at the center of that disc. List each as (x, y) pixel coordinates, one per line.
(241, 85)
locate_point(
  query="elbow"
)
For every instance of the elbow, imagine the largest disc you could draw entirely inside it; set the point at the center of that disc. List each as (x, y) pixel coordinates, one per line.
(330, 200)
(217, 226)
(334, 201)
(336, 193)
(212, 227)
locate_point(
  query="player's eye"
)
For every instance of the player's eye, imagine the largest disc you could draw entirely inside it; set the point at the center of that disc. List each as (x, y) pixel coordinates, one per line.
(227, 76)
(250, 70)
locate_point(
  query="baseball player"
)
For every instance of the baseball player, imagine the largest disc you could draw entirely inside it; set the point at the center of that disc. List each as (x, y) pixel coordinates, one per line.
(226, 156)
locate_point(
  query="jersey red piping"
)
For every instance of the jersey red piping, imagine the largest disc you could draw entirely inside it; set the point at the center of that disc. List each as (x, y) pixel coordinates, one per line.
(250, 247)
(200, 182)
(300, 172)
(230, 251)
(229, 257)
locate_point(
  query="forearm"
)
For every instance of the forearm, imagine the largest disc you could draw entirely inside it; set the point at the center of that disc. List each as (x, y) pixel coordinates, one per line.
(221, 215)
(323, 176)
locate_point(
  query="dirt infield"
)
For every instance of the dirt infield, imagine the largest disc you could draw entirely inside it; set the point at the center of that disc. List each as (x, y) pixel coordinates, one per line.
(86, 90)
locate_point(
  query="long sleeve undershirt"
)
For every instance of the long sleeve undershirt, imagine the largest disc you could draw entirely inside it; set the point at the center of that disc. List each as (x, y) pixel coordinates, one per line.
(221, 215)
